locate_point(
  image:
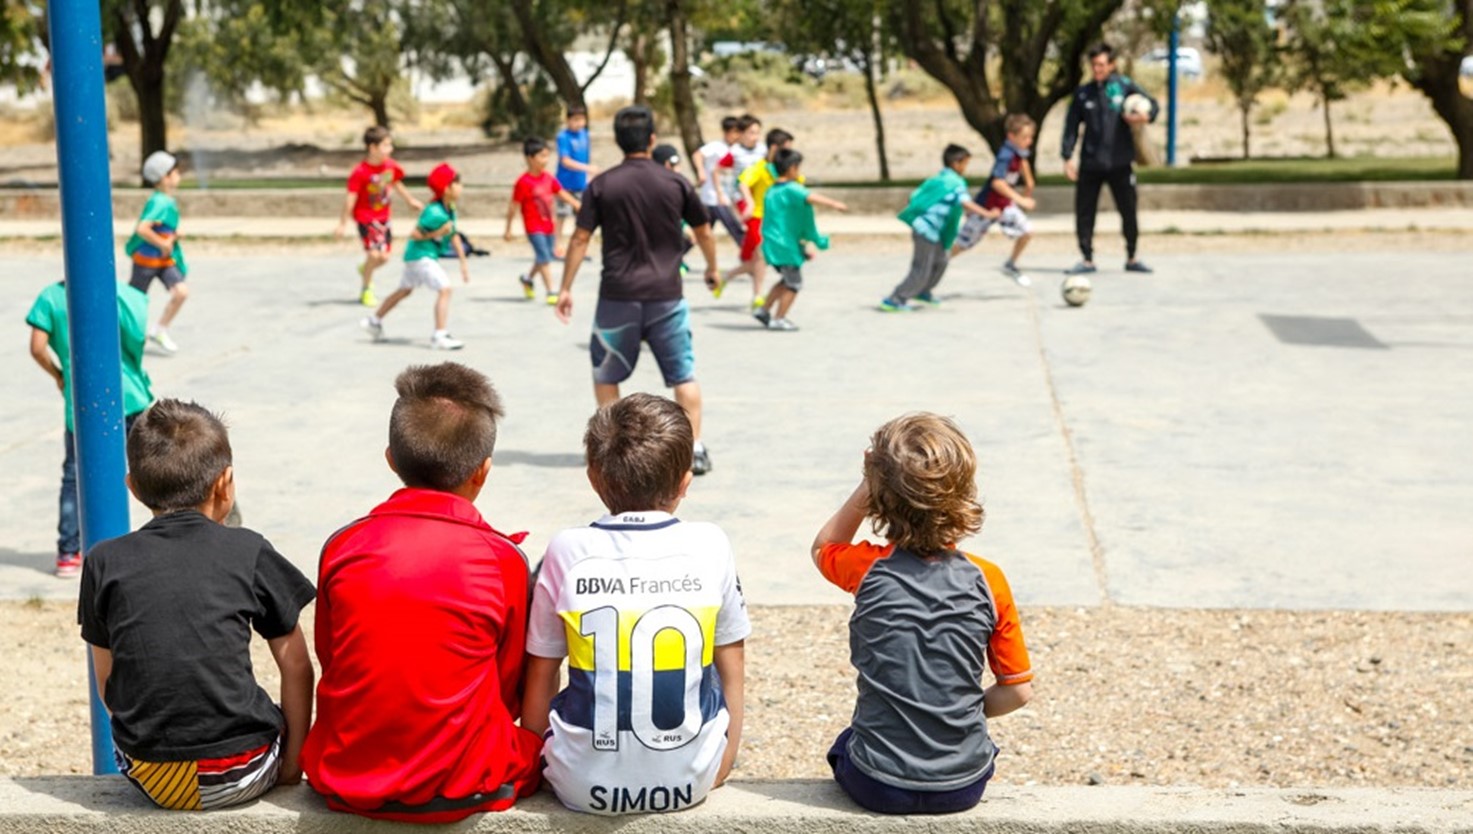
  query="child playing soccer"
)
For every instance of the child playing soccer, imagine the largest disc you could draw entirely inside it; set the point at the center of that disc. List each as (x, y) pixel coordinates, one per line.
(154, 246)
(51, 348)
(421, 626)
(787, 224)
(573, 167)
(934, 215)
(169, 611)
(928, 620)
(1010, 191)
(536, 193)
(369, 203)
(421, 260)
(714, 165)
(648, 610)
(754, 182)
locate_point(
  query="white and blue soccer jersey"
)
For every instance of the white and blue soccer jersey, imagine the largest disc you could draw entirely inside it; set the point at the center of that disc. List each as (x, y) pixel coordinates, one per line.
(638, 603)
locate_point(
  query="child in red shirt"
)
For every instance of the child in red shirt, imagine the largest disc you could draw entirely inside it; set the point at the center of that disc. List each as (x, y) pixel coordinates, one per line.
(368, 204)
(537, 193)
(421, 626)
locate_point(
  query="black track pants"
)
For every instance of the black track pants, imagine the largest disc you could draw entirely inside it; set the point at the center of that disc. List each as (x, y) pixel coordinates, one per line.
(1087, 201)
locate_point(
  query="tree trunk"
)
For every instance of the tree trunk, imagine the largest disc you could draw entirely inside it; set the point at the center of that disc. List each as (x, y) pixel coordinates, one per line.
(686, 115)
(379, 104)
(516, 103)
(1244, 110)
(1456, 112)
(149, 88)
(1329, 129)
(867, 66)
(547, 55)
(641, 56)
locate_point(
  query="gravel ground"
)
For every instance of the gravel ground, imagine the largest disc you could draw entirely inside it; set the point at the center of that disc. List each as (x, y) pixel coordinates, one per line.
(1122, 696)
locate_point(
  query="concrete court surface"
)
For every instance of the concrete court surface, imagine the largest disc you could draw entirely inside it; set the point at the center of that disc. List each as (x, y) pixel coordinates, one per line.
(1248, 430)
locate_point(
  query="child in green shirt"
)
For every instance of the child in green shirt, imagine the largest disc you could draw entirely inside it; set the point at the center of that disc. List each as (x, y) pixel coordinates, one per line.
(51, 348)
(934, 215)
(787, 224)
(154, 246)
(421, 260)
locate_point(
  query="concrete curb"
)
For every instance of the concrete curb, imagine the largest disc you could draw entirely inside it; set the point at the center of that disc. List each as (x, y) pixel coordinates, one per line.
(102, 805)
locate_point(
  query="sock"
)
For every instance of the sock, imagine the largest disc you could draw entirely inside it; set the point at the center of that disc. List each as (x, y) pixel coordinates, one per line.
(440, 333)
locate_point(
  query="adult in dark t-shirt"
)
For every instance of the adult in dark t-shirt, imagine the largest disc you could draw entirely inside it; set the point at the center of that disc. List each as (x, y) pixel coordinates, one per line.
(640, 205)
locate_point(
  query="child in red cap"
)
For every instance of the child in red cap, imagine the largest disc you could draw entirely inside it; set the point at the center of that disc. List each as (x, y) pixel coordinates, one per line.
(421, 259)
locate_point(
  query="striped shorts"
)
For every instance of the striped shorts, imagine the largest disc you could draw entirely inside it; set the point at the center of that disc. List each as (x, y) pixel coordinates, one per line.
(205, 784)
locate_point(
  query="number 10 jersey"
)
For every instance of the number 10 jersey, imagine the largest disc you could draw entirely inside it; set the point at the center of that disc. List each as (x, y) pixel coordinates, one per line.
(638, 603)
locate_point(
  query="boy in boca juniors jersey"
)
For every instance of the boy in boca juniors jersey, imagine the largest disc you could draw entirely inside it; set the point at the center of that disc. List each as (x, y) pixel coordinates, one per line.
(648, 610)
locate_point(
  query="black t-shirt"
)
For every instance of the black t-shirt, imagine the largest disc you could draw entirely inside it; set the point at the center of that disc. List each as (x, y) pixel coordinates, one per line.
(175, 603)
(640, 203)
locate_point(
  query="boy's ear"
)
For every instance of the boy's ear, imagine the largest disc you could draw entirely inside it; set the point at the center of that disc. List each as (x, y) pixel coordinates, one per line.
(685, 483)
(594, 480)
(132, 490)
(482, 473)
(389, 459)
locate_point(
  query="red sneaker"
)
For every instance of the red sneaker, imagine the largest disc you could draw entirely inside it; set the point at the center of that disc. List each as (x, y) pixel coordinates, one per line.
(68, 565)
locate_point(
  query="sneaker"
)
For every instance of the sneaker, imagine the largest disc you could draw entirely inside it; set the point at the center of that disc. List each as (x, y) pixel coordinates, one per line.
(528, 290)
(444, 341)
(762, 316)
(890, 305)
(375, 327)
(1081, 268)
(928, 299)
(1011, 270)
(161, 338)
(781, 324)
(69, 565)
(759, 301)
(700, 462)
(1138, 266)
(367, 298)
(551, 299)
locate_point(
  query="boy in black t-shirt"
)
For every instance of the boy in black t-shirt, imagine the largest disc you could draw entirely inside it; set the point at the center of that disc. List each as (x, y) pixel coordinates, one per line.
(168, 611)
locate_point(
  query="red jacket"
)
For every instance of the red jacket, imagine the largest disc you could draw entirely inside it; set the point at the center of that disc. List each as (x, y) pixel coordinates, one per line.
(421, 628)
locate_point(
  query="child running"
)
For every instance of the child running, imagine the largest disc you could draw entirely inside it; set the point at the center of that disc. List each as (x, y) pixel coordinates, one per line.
(1009, 190)
(154, 245)
(929, 620)
(754, 182)
(788, 224)
(421, 260)
(714, 165)
(934, 215)
(169, 610)
(421, 626)
(369, 203)
(648, 610)
(536, 193)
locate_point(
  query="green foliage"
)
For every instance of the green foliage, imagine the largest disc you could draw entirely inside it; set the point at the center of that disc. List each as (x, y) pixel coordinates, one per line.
(236, 46)
(1238, 31)
(20, 40)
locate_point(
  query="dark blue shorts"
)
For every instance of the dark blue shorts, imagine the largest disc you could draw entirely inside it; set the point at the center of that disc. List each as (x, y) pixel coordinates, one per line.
(881, 798)
(542, 248)
(619, 327)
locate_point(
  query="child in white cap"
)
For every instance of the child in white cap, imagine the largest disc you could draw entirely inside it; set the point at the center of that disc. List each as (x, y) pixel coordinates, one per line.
(154, 246)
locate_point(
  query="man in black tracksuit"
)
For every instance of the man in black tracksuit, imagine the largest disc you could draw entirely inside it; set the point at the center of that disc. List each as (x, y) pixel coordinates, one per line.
(1107, 156)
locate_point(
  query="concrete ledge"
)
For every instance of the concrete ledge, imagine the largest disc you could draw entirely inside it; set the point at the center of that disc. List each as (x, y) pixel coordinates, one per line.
(102, 805)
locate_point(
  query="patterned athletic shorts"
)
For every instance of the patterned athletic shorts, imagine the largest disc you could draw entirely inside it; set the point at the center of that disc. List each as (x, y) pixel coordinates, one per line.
(1013, 223)
(207, 783)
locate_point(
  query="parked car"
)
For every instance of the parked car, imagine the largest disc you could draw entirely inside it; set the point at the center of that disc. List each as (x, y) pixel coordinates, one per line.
(1188, 60)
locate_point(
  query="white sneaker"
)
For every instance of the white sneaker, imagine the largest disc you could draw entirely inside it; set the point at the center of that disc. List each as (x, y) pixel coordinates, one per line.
(375, 327)
(1011, 270)
(444, 341)
(781, 324)
(161, 338)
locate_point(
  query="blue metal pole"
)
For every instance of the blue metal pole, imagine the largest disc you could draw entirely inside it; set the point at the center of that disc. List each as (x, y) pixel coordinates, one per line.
(91, 289)
(1171, 89)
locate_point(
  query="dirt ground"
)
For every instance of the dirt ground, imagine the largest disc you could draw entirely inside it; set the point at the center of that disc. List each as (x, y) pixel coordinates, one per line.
(323, 142)
(1123, 696)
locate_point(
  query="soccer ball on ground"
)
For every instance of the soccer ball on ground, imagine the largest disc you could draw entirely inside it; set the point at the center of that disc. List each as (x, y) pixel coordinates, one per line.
(1076, 290)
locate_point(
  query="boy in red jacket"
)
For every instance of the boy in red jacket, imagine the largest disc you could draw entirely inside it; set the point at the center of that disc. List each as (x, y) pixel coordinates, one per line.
(421, 626)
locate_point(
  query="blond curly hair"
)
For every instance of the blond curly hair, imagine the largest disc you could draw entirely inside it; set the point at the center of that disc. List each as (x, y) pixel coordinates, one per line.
(921, 473)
